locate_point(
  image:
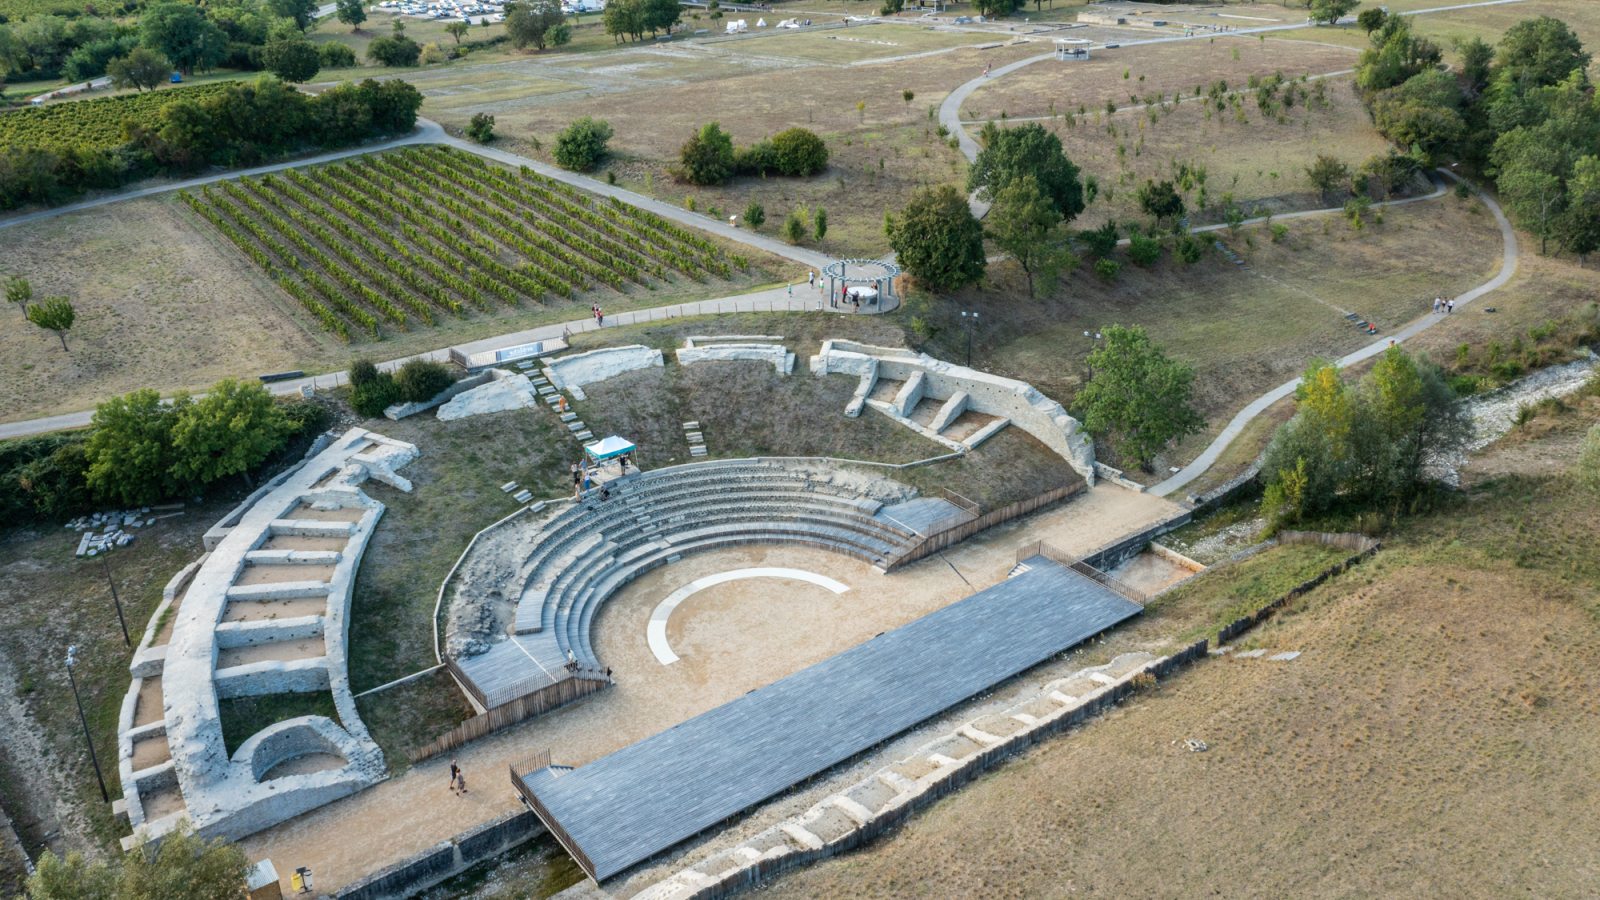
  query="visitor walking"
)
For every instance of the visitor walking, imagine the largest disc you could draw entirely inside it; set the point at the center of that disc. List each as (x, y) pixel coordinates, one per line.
(1449, 307)
(791, 291)
(1436, 304)
(461, 781)
(600, 316)
(455, 772)
(986, 70)
(811, 279)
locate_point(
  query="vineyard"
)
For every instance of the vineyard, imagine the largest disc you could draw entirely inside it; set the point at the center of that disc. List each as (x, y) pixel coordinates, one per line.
(93, 124)
(397, 240)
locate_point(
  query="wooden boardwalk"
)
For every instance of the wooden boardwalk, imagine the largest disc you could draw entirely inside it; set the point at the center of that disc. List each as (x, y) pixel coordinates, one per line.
(624, 808)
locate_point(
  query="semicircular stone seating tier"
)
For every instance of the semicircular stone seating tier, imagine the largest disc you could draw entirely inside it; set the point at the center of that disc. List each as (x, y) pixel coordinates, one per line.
(264, 611)
(573, 561)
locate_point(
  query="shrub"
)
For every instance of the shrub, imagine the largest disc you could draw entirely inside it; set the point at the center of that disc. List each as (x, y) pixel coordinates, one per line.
(819, 224)
(1143, 251)
(303, 418)
(433, 54)
(421, 380)
(336, 56)
(1102, 241)
(581, 145)
(43, 478)
(1189, 249)
(1278, 232)
(799, 152)
(755, 215)
(937, 240)
(756, 159)
(794, 226)
(1108, 269)
(394, 51)
(481, 128)
(363, 372)
(373, 398)
(707, 157)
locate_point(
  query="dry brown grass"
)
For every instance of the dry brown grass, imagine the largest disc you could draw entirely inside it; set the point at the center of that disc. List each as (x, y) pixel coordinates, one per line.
(1434, 740)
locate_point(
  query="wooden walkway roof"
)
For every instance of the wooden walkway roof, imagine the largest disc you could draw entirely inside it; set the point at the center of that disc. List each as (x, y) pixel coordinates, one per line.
(624, 808)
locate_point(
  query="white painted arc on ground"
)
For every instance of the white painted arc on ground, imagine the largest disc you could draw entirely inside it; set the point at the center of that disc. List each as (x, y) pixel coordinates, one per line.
(656, 631)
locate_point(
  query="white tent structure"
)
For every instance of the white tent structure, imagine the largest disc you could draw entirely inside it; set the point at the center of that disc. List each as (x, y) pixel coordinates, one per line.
(608, 448)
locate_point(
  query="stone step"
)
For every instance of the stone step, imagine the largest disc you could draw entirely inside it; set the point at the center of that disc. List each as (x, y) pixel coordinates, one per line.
(523, 496)
(509, 486)
(574, 426)
(691, 426)
(696, 437)
(584, 436)
(568, 417)
(697, 450)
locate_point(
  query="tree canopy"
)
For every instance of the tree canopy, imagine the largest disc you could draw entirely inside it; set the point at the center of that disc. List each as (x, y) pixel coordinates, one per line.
(182, 33)
(1025, 225)
(142, 69)
(297, 61)
(185, 867)
(229, 431)
(1136, 396)
(530, 22)
(1161, 200)
(54, 314)
(581, 145)
(130, 452)
(1010, 153)
(937, 239)
(707, 156)
(354, 12)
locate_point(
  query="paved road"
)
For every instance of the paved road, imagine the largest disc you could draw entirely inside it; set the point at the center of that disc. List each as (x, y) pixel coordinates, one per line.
(1508, 267)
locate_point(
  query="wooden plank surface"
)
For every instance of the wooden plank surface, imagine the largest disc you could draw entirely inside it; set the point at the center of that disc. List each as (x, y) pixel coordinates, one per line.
(632, 804)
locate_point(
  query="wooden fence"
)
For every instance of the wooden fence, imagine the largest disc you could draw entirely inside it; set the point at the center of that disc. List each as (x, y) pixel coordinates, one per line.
(1362, 545)
(526, 707)
(937, 541)
(1040, 548)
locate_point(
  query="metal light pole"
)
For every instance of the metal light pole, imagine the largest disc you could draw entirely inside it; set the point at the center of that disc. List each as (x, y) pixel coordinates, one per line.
(971, 324)
(114, 599)
(87, 738)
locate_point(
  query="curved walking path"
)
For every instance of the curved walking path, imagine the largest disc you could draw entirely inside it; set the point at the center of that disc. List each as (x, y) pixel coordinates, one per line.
(950, 117)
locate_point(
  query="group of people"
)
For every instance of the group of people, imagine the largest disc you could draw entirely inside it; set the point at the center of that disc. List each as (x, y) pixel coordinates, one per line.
(458, 779)
(1445, 306)
(582, 476)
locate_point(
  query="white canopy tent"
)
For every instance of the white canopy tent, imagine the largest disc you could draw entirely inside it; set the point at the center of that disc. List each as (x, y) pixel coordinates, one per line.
(608, 448)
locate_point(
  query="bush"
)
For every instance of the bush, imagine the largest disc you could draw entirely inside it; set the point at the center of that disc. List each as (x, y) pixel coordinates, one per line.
(394, 51)
(481, 128)
(43, 478)
(799, 152)
(755, 215)
(336, 56)
(363, 372)
(581, 145)
(305, 418)
(421, 380)
(757, 159)
(1143, 250)
(937, 240)
(707, 156)
(1108, 269)
(1190, 249)
(1102, 241)
(372, 399)
(794, 226)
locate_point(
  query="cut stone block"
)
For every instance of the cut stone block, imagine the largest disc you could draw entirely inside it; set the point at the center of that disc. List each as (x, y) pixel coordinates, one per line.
(509, 486)
(691, 426)
(568, 417)
(522, 496)
(584, 435)
(696, 438)
(697, 450)
(575, 426)
(547, 390)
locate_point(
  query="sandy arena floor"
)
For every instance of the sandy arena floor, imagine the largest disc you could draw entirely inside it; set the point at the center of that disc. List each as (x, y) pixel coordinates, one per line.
(731, 639)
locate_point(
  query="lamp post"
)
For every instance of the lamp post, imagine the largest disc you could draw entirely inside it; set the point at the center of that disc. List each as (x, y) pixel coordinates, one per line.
(87, 738)
(971, 324)
(115, 599)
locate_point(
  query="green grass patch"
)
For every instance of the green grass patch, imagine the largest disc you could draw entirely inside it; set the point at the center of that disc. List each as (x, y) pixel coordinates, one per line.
(242, 717)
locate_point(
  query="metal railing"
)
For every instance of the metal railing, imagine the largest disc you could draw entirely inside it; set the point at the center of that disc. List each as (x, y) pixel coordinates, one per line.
(522, 768)
(1040, 548)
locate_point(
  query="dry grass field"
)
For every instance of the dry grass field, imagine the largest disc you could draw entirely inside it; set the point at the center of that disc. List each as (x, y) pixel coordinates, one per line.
(1244, 331)
(1486, 22)
(1435, 739)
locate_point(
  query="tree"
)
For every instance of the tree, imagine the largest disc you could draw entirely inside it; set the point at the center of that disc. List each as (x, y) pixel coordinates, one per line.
(581, 145)
(294, 61)
(1143, 251)
(1160, 200)
(336, 56)
(1476, 57)
(891, 7)
(1396, 55)
(302, 12)
(908, 96)
(707, 156)
(229, 431)
(624, 18)
(481, 128)
(130, 450)
(797, 151)
(1329, 12)
(1010, 153)
(354, 12)
(661, 15)
(1542, 51)
(1137, 395)
(20, 292)
(142, 69)
(1328, 175)
(183, 34)
(1531, 180)
(1371, 20)
(397, 50)
(530, 21)
(755, 215)
(1023, 223)
(559, 36)
(54, 314)
(819, 224)
(457, 30)
(937, 239)
(185, 867)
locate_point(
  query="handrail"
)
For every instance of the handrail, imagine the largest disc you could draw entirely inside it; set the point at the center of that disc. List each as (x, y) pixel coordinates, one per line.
(1040, 548)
